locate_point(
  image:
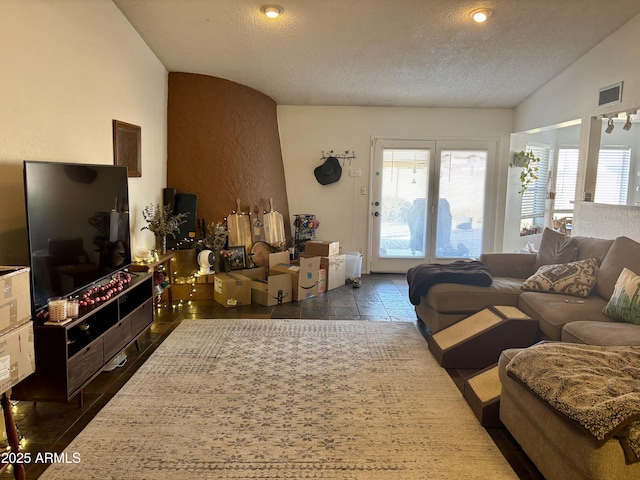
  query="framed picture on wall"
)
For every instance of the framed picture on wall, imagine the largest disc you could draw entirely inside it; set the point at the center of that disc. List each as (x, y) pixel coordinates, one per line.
(238, 258)
(127, 140)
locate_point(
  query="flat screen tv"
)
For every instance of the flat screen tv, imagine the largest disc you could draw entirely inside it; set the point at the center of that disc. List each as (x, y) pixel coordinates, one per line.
(77, 224)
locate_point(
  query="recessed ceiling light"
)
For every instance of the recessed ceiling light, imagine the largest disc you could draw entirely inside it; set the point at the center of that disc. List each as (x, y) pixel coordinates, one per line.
(272, 11)
(480, 14)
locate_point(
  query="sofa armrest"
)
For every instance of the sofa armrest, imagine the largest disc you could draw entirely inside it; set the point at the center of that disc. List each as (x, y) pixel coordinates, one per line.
(515, 265)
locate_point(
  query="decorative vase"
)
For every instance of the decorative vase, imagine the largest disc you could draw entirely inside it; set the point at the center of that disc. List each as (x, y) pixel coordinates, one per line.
(161, 244)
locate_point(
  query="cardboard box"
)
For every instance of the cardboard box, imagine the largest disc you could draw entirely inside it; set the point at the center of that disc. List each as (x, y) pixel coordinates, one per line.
(322, 281)
(232, 289)
(275, 290)
(258, 273)
(335, 267)
(15, 297)
(305, 278)
(321, 248)
(268, 290)
(278, 258)
(17, 357)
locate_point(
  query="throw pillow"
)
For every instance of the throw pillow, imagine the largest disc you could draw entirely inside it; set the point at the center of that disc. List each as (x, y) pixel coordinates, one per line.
(624, 304)
(555, 248)
(624, 253)
(573, 278)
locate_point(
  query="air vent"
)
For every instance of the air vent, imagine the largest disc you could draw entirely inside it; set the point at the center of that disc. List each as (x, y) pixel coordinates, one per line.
(610, 95)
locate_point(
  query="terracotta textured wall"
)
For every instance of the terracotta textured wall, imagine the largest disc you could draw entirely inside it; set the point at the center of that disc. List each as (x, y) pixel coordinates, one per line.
(222, 144)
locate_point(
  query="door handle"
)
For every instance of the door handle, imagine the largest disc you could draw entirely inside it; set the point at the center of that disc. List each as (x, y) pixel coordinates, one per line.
(376, 214)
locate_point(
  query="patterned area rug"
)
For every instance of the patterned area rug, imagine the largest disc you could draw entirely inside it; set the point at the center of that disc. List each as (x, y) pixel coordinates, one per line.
(286, 399)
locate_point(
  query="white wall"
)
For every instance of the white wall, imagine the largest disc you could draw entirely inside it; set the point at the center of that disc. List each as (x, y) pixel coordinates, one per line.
(606, 221)
(574, 93)
(69, 67)
(343, 212)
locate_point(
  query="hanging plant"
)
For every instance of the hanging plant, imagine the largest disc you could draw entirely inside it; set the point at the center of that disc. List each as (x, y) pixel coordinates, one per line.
(529, 164)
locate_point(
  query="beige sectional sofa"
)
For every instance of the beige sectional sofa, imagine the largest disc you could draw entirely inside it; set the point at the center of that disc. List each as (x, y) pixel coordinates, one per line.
(559, 447)
(446, 303)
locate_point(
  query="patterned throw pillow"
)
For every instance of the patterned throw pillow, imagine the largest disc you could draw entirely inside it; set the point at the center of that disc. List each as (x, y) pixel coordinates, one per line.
(624, 304)
(574, 278)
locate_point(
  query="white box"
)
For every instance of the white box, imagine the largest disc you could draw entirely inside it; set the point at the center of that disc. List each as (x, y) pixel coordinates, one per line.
(335, 267)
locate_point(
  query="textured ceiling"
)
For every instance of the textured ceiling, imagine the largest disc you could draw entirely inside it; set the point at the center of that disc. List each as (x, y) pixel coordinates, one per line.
(425, 53)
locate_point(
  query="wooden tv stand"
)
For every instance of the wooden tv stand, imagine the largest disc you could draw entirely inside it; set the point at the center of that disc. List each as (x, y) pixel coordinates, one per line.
(70, 355)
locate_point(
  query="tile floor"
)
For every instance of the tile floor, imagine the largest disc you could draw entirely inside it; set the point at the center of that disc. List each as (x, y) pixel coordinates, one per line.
(49, 427)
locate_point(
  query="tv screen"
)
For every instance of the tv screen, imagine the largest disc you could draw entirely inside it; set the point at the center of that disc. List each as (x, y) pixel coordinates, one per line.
(78, 226)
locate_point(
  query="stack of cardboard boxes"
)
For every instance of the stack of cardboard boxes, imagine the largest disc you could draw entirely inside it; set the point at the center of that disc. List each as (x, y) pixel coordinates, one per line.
(17, 357)
(332, 264)
(321, 268)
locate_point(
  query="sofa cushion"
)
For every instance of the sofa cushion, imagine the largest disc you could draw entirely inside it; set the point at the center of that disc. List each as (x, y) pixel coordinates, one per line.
(455, 298)
(514, 265)
(598, 333)
(555, 247)
(573, 278)
(624, 304)
(624, 252)
(589, 247)
(553, 310)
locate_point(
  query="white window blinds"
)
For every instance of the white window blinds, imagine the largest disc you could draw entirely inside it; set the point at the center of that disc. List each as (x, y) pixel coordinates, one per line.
(534, 198)
(612, 182)
(566, 179)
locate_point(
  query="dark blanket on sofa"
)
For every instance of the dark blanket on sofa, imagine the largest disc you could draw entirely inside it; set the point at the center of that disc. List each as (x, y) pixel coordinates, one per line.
(422, 277)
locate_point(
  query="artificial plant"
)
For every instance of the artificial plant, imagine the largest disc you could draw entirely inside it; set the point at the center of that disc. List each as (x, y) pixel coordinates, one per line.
(529, 164)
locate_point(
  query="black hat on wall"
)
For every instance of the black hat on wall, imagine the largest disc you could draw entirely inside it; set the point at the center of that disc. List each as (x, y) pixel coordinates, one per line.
(329, 172)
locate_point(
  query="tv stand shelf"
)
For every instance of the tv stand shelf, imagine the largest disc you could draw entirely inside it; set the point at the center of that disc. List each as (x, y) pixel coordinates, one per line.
(70, 355)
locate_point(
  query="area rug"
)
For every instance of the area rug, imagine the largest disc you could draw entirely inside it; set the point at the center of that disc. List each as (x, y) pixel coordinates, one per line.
(286, 399)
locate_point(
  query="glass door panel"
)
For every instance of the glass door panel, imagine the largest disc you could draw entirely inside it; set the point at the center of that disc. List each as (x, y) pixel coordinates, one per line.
(460, 217)
(399, 210)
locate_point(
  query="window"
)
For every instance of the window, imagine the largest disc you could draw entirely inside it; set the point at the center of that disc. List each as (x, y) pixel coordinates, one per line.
(612, 182)
(566, 180)
(535, 197)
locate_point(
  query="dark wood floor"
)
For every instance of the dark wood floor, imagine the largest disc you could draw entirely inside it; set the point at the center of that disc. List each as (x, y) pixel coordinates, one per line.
(49, 427)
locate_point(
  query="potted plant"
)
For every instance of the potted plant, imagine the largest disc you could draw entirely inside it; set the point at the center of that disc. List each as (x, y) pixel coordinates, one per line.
(529, 164)
(161, 221)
